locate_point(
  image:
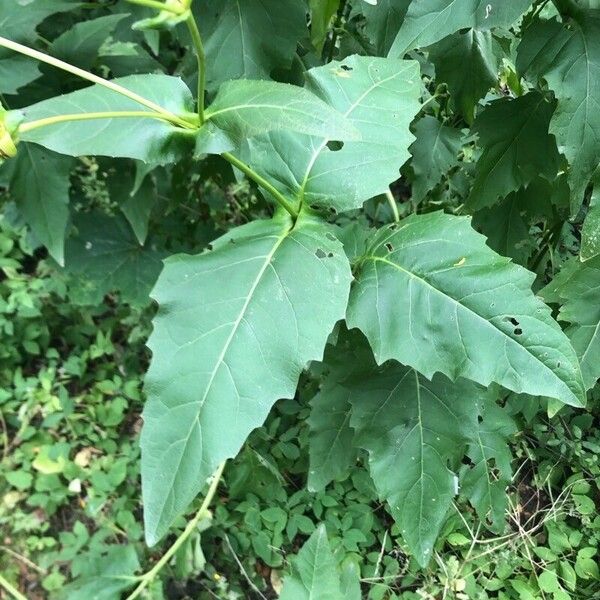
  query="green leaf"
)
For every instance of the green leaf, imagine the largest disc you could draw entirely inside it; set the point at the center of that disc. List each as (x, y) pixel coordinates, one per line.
(79, 45)
(259, 35)
(146, 139)
(516, 147)
(16, 72)
(235, 328)
(435, 152)
(105, 576)
(506, 228)
(577, 289)
(428, 21)
(331, 446)
(136, 201)
(484, 482)
(314, 573)
(321, 15)
(245, 108)
(106, 257)
(467, 64)
(40, 187)
(590, 233)
(433, 296)
(567, 57)
(383, 20)
(413, 429)
(377, 95)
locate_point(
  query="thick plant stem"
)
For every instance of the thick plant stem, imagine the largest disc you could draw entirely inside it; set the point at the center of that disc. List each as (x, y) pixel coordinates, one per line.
(262, 182)
(201, 57)
(115, 87)
(31, 125)
(14, 592)
(149, 577)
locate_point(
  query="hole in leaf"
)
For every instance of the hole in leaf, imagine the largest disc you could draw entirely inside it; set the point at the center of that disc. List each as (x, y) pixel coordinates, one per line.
(479, 419)
(330, 254)
(518, 331)
(389, 247)
(335, 146)
(513, 321)
(319, 253)
(330, 236)
(346, 68)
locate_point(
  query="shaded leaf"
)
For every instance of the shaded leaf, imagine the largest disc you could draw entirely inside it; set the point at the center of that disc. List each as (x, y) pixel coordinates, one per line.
(259, 35)
(321, 15)
(105, 256)
(383, 21)
(430, 290)
(567, 56)
(40, 187)
(413, 429)
(428, 21)
(484, 482)
(79, 45)
(516, 147)
(434, 152)
(577, 289)
(468, 65)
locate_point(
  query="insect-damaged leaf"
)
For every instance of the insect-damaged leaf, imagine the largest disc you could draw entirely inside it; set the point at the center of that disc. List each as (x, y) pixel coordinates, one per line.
(432, 295)
(235, 328)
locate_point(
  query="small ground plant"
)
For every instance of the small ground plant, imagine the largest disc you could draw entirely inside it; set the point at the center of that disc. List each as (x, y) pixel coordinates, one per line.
(370, 241)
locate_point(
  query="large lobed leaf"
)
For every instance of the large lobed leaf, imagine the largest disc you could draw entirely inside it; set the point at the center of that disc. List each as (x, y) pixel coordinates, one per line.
(433, 296)
(248, 39)
(567, 56)
(516, 147)
(428, 21)
(413, 429)
(235, 328)
(379, 97)
(245, 108)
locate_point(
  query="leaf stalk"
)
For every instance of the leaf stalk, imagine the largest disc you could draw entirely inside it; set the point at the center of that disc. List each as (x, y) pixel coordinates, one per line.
(55, 120)
(203, 512)
(262, 182)
(201, 58)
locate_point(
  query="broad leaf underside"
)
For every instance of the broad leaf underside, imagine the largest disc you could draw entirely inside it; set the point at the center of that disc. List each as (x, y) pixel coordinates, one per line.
(236, 327)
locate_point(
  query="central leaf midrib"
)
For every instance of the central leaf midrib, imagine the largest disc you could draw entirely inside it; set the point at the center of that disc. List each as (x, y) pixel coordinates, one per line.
(480, 317)
(220, 359)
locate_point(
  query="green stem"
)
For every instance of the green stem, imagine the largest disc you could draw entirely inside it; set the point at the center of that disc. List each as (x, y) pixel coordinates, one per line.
(392, 202)
(24, 127)
(262, 182)
(158, 6)
(149, 577)
(201, 57)
(13, 591)
(115, 87)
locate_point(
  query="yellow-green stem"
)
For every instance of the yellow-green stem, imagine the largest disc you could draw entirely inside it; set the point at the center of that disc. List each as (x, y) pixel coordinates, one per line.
(201, 57)
(157, 5)
(126, 114)
(262, 182)
(115, 87)
(13, 591)
(149, 577)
